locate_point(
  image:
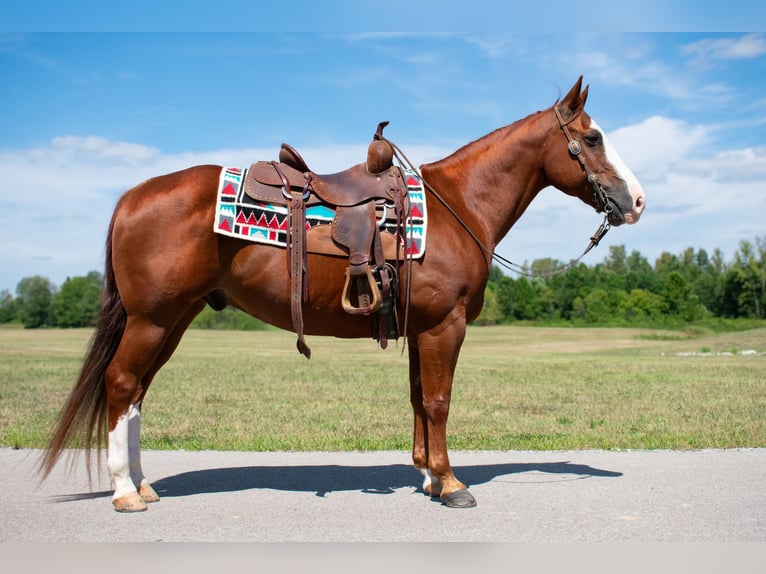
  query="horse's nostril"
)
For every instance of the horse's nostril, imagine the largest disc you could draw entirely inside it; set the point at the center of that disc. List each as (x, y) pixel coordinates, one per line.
(639, 202)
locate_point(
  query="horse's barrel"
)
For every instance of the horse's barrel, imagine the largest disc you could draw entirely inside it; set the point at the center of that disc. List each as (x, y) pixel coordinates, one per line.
(380, 154)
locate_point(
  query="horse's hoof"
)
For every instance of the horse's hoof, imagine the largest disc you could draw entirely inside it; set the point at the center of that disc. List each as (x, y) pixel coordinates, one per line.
(129, 503)
(458, 499)
(147, 493)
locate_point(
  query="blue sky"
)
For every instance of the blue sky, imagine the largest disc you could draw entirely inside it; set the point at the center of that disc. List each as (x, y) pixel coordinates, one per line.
(87, 115)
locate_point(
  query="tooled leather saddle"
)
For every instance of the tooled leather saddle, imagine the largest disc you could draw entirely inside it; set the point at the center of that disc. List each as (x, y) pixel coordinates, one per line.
(356, 195)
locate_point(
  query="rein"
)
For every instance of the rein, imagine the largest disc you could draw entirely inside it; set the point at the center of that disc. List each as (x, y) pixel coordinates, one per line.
(600, 199)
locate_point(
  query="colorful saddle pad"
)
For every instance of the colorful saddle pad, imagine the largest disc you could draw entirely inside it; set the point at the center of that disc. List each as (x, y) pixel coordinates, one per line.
(238, 215)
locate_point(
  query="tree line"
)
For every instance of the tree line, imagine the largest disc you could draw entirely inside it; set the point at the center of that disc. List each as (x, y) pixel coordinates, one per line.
(40, 303)
(624, 289)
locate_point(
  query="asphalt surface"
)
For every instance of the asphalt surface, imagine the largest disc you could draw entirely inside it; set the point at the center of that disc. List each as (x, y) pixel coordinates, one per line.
(578, 496)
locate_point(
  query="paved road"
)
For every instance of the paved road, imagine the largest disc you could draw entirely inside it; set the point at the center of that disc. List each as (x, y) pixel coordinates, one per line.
(580, 496)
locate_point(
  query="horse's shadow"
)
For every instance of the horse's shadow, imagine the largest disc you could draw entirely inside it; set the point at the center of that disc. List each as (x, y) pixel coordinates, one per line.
(322, 479)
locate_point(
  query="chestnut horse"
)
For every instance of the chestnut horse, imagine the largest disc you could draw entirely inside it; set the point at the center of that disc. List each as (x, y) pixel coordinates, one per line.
(160, 273)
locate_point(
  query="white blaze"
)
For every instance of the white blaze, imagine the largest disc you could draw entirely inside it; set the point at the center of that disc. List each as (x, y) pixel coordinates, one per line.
(624, 173)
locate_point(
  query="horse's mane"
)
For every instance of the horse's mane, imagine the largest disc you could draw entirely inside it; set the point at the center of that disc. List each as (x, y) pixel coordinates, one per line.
(482, 142)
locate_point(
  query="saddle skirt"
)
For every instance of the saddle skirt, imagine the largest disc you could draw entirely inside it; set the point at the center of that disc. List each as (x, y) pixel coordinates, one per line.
(239, 215)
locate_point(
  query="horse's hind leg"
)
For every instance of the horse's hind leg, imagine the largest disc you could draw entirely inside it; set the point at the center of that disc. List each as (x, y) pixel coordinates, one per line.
(140, 346)
(145, 490)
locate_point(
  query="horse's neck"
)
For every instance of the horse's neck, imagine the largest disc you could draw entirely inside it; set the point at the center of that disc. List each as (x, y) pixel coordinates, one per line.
(490, 182)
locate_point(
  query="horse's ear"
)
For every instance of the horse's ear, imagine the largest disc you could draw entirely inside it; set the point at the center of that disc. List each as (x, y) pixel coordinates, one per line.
(574, 101)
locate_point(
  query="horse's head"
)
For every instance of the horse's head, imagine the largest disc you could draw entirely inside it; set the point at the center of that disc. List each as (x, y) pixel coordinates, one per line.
(581, 162)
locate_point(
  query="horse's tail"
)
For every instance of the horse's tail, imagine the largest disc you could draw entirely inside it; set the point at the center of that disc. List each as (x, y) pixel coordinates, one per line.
(84, 415)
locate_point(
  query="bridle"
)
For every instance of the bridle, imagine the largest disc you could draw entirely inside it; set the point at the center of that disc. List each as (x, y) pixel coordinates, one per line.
(601, 202)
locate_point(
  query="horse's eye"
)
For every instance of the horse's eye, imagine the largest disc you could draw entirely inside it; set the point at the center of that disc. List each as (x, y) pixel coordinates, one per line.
(593, 138)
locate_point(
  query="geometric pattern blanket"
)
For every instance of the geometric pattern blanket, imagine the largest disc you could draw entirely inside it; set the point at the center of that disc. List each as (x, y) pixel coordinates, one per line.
(239, 215)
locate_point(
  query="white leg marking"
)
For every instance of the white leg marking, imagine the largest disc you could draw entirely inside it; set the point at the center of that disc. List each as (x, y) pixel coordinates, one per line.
(430, 482)
(134, 444)
(118, 455)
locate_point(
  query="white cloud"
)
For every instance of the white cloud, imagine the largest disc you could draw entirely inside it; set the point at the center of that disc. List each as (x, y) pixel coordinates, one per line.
(743, 47)
(645, 69)
(683, 177)
(639, 73)
(74, 169)
(490, 47)
(101, 148)
(747, 164)
(654, 145)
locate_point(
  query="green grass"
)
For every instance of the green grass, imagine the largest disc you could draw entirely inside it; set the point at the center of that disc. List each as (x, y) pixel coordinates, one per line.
(516, 388)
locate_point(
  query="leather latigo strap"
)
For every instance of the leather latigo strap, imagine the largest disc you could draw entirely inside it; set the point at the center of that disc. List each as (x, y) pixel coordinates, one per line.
(296, 255)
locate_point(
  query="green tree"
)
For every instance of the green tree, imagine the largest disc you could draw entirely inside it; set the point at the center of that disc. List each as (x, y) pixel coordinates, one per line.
(570, 286)
(640, 274)
(9, 309)
(579, 310)
(679, 299)
(518, 299)
(642, 305)
(495, 274)
(547, 305)
(596, 306)
(665, 264)
(745, 282)
(617, 260)
(707, 283)
(692, 264)
(491, 312)
(35, 295)
(607, 278)
(78, 301)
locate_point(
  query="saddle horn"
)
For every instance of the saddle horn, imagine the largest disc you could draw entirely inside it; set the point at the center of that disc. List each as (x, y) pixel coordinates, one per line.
(380, 154)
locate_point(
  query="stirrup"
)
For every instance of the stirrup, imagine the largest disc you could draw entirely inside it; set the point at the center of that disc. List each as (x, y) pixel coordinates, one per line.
(373, 306)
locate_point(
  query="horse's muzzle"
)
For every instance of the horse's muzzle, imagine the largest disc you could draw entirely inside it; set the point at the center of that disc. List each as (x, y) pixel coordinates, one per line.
(627, 204)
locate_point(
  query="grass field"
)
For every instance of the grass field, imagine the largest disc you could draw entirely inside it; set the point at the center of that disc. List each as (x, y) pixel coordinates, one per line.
(516, 388)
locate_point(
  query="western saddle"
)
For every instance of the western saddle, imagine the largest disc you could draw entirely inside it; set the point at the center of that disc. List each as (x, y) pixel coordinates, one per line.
(356, 195)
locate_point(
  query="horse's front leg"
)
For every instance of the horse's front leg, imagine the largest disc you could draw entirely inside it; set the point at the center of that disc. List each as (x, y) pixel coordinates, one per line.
(437, 353)
(431, 485)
